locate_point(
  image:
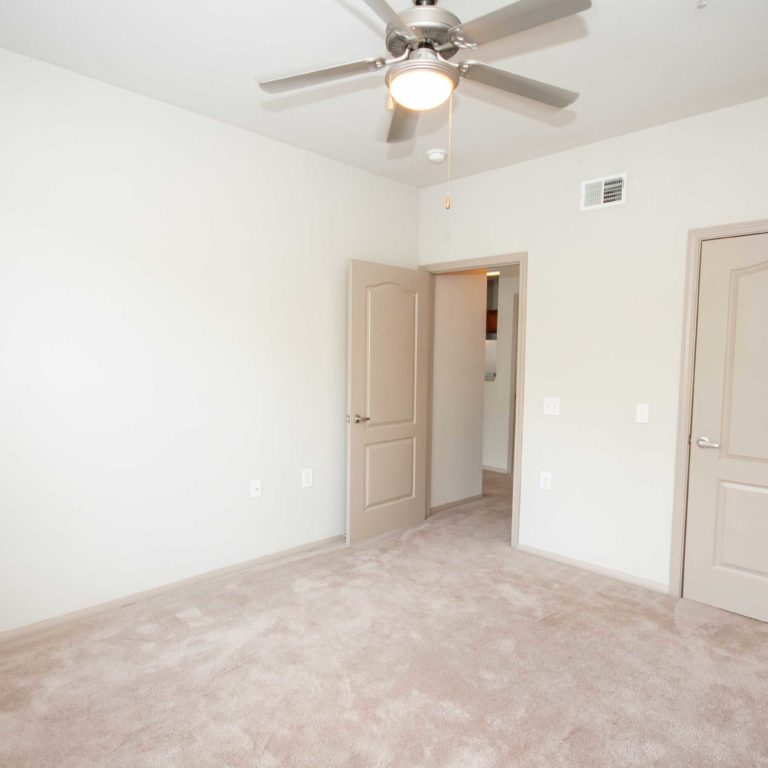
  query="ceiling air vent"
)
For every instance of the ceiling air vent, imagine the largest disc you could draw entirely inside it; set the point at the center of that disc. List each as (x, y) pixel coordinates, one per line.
(600, 193)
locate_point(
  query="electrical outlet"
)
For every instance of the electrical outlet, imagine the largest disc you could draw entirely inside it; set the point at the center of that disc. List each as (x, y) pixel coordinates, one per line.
(256, 488)
(641, 413)
(306, 478)
(552, 406)
(545, 481)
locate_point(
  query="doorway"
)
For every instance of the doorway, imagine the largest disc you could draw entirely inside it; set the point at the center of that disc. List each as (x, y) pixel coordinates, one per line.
(477, 379)
(503, 299)
(392, 388)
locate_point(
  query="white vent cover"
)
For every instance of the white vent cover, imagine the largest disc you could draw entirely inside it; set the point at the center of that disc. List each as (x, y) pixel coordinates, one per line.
(600, 193)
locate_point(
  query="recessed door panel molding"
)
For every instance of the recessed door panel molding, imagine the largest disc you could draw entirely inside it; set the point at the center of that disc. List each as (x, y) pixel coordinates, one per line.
(391, 357)
(745, 423)
(388, 376)
(726, 538)
(390, 472)
(742, 528)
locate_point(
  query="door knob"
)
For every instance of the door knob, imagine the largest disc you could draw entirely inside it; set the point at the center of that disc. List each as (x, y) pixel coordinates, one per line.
(359, 418)
(704, 442)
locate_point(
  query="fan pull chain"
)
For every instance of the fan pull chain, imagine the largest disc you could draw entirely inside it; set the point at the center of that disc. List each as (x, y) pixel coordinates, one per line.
(450, 152)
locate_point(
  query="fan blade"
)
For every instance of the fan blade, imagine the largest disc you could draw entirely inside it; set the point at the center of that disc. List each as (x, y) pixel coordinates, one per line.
(317, 76)
(403, 125)
(521, 86)
(522, 15)
(391, 18)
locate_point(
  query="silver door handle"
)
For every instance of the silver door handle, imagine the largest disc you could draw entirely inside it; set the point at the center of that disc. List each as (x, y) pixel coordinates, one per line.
(704, 442)
(359, 418)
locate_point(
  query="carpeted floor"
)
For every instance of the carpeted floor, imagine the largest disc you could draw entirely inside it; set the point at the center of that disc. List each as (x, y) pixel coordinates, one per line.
(434, 647)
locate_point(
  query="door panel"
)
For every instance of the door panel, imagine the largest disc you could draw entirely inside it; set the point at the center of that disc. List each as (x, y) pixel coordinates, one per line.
(742, 528)
(390, 472)
(388, 371)
(391, 355)
(746, 386)
(726, 554)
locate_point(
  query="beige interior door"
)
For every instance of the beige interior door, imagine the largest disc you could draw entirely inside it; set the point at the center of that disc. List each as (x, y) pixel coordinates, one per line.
(726, 553)
(387, 400)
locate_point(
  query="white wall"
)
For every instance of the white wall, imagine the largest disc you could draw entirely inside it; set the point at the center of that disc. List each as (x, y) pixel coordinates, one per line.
(457, 391)
(604, 320)
(172, 324)
(497, 402)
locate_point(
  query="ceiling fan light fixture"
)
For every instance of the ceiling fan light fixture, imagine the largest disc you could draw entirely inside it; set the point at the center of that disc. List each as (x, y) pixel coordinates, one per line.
(421, 89)
(422, 41)
(421, 84)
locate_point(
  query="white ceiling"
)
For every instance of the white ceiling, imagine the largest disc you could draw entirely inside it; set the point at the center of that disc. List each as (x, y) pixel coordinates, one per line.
(636, 63)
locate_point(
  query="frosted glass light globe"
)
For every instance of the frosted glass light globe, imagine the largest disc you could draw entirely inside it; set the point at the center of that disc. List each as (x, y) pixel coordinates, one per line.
(421, 89)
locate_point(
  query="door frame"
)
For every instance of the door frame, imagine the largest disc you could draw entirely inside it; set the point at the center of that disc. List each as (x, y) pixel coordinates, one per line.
(696, 239)
(513, 395)
(465, 265)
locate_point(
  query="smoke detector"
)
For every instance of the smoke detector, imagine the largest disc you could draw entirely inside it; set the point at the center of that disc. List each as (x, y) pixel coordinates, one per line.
(437, 155)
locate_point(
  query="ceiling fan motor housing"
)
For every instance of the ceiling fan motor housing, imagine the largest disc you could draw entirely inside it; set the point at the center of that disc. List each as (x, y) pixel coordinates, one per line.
(431, 24)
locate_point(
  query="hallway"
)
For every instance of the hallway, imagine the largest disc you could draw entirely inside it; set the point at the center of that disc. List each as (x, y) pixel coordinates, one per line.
(497, 492)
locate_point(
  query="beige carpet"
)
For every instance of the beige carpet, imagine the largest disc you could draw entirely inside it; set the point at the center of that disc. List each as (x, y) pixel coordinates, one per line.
(435, 647)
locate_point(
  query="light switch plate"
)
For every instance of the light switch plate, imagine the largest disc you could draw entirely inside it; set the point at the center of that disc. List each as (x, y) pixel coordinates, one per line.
(256, 488)
(545, 481)
(552, 406)
(641, 413)
(306, 478)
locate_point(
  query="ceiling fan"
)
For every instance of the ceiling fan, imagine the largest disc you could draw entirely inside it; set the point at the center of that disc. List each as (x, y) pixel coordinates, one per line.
(423, 39)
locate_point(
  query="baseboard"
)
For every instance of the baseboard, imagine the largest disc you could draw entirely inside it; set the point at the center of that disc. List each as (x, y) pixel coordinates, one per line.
(654, 586)
(452, 504)
(497, 470)
(276, 558)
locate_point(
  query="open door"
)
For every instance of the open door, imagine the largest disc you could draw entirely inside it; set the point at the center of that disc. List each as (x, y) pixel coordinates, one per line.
(387, 398)
(726, 544)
